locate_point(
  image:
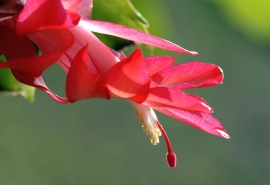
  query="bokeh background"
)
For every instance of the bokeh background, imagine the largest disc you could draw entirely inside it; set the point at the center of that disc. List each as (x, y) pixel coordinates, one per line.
(100, 141)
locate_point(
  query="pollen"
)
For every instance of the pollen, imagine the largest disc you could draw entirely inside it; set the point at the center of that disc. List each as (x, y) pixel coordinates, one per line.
(148, 119)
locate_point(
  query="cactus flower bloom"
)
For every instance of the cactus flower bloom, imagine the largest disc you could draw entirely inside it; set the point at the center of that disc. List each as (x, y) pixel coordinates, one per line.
(147, 83)
(63, 33)
(55, 27)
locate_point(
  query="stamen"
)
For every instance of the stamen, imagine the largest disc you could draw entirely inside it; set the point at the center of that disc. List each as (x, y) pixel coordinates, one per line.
(153, 129)
(170, 156)
(148, 119)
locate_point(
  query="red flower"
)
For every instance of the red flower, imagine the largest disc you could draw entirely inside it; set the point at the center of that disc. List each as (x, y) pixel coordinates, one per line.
(148, 83)
(33, 24)
(59, 29)
(62, 32)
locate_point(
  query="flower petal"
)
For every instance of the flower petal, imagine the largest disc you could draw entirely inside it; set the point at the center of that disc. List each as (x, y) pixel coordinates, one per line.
(162, 96)
(129, 78)
(53, 40)
(81, 83)
(156, 63)
(202, 121)
(135, 35)
(44, 14)
(52, 43)
(39, 83)
(28, 70)
(189, 75)
(102, 57)
(13, 46)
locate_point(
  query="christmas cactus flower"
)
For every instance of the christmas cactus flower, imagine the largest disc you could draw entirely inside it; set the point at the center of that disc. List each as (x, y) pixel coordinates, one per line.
(147, 83)
(62, 32)
(28, 24)
(56, 28)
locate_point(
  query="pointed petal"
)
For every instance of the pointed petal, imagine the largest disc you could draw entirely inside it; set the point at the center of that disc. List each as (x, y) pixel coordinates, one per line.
(44, 14)
(81, 83)
(52, 43)
(135, 35)
(156, 63)
(28, 70)
(38, 83)
(202, 121)
(161, 96)
(129, 78)
(189, 75)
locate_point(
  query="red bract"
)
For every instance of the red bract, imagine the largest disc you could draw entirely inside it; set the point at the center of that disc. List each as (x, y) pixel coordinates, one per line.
(63, 34)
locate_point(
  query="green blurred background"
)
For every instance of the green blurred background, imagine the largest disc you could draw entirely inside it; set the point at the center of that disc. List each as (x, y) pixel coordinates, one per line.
(100, 141)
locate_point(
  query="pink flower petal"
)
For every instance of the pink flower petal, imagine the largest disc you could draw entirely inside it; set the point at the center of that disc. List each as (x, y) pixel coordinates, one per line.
(81, 83)
(44, 14)
(162, 96)
(135, 35)
(64, 62)
(52, 43)
(129, 78)
(53, 40)
(38, 83)
(28, 70)
(156, 63)
(202, 121)
(102, 57)
(189, 75)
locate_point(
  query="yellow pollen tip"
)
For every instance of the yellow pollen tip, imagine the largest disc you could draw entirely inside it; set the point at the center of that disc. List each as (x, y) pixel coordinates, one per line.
(150, 126)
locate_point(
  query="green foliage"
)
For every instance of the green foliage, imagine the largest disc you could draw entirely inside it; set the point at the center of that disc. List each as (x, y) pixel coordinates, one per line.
(10, 85)
(251, 17)
(120, 12)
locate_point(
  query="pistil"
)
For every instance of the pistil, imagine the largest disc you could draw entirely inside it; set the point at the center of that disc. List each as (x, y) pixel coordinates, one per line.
(170, 156)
